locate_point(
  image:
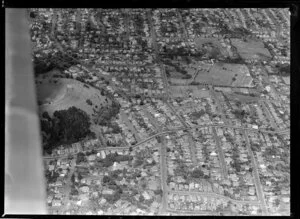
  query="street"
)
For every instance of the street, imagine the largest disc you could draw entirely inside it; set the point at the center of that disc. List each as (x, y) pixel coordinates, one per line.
(163, 169)
(174, 130)
(214, 195)
(220, 154)
(256, 176)
(268, 114)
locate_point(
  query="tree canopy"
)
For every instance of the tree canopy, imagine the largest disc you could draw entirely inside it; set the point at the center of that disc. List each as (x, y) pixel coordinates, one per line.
(67, 126)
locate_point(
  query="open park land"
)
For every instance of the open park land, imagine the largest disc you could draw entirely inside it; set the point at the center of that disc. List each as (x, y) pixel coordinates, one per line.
(250, 49)
(62, 93)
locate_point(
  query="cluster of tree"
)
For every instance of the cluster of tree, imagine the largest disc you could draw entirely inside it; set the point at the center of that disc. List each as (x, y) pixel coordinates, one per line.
(284, 69)
(174, 52)
(111, 199)
(195, 83)
(114, 157)
(187, 76)
(106, 114)
(271, 151)
(33, 14)
(74, 191)
(89, 102)
(80, 158)
(42, 65)
(141, 42)
(255, 147)
(115, 128)
(66, 126)
(197, 115)
(240, 114)
(158, 192)
(182, 170)
(51, 176)
(197, 173)
(138, 162)
(110, 182)
(235, 157)
(177, 68)
(237, 60)
(58, 60)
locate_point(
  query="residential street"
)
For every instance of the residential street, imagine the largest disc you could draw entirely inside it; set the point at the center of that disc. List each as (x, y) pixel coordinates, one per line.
(256, 175)
(220, 154)
(219, 104)
(130, 126)
(268, 114)
(163, 169)
(213, 195)
(67, 186)
(174, 130)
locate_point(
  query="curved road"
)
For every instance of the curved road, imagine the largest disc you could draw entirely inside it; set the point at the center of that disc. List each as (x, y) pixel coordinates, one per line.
(170, 131)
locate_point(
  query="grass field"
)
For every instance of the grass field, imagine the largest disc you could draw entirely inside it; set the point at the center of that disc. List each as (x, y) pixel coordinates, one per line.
(251, 49)
(225, 74)
(66, 93)
(184, 91)
(242, 98)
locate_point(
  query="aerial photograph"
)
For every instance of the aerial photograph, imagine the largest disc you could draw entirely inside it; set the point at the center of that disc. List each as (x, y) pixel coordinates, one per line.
(163, 111)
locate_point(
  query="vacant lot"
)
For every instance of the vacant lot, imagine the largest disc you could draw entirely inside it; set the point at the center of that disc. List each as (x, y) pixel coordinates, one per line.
(251, 49)
(226, 74)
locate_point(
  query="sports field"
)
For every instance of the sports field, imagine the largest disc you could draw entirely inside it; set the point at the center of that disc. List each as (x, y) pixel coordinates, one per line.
(226, 74)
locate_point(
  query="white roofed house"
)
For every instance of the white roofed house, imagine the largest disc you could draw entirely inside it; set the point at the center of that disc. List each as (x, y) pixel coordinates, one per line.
(103, 155)
(56, 203)
(84, 189)
(92, 157)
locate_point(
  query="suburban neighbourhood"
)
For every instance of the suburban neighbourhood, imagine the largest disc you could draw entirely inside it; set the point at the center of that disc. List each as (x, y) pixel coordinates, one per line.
(164, 111)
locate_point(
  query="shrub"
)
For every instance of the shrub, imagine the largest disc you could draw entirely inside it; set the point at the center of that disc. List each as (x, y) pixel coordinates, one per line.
(89, 102)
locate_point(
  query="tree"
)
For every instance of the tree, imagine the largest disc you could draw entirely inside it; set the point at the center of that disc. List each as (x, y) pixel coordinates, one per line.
(107, 163)
(46, 116)
(32, 14)
(106, 179)
(74, 192)
(158, 192)
(141, 199)
(80, 158)
(138, 162)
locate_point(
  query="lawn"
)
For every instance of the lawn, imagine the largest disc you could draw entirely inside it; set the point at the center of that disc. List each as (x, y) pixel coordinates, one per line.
(251, 49)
